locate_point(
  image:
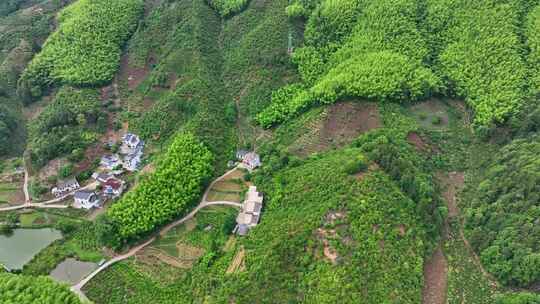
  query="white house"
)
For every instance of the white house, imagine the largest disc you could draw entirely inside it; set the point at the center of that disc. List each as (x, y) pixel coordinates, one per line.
(133, 160)
(250, 160)
(86, 200)
(250, 213)
(110, 161)
(131, 140)
(132, 151)
(102, 177)
(64, 187)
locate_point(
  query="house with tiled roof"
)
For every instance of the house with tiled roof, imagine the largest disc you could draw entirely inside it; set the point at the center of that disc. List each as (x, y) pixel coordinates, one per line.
(64, 187)
(250, 212)
(86, 200)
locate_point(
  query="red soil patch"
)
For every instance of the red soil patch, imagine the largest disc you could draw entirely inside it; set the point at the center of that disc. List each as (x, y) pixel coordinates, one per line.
(414, 139)
(347, 120)
(92, 153)
(337, 126)
(435, 279)
(402, 229)
(133, 75)
(452, 183)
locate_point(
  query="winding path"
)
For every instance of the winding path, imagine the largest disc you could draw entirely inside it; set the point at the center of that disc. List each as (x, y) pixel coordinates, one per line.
(49, 203)
(203, 204)
(27, 198)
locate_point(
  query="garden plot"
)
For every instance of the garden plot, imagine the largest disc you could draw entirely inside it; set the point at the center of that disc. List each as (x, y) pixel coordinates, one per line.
(184, 245)
(230, 189)
(11, 193)
(337, 126)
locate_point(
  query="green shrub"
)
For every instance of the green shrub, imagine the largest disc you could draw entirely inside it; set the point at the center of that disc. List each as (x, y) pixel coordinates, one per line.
(228, 7)
(34, 290)
(295, 10)
(437, 120)
(66, 171)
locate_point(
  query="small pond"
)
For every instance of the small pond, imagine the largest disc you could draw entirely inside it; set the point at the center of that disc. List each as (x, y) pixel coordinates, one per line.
(19, 248)
(72, 271)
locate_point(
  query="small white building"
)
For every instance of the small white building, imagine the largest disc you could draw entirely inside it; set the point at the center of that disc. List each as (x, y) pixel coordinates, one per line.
(132, 161)
(250, 160)
(132, 151)
(132, 141)
(110, 162)
(250, 213)
(64, 187)
(86, 200)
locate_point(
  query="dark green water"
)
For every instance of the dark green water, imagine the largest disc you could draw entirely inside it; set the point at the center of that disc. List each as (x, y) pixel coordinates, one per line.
(18, 248)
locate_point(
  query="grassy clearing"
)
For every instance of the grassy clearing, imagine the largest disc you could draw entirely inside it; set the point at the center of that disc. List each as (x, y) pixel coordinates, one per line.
(431, 115)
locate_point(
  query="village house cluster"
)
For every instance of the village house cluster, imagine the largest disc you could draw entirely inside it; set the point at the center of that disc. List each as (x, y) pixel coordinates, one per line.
(129, 159)
(129, 156)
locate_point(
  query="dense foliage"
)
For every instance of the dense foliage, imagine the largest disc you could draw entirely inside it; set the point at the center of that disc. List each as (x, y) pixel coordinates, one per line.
(8, 125)
(18, 289)
(481, 55)
(377, 261)
(376, 51)
(502, 219)
(85, 50)
(175, 186)
(69, 121)
(384, 50)
(533, 39)
(228, 7)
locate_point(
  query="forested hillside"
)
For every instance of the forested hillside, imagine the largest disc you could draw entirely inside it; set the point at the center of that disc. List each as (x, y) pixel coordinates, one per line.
(21, 35)
(399, 142)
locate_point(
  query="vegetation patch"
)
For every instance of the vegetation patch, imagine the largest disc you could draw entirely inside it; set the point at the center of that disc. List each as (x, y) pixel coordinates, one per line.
(466, 282)
(73, 120)
(85, 50)
(175, 186)
(356, 51)
(228, 7)
(34, 290)
(501, 216)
